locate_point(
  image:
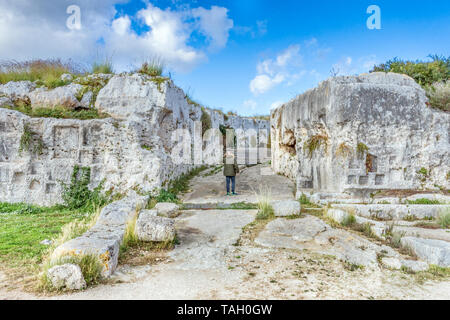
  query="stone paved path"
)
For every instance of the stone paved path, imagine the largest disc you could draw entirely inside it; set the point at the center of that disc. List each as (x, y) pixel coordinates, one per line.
(209, 187)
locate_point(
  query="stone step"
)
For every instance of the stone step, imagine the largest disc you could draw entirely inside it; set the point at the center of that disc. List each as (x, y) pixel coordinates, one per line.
(219, 205)
(393, 211)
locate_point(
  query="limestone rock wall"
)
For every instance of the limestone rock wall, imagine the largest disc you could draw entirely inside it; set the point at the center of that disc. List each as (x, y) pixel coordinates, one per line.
(360, 134)
(131, 149)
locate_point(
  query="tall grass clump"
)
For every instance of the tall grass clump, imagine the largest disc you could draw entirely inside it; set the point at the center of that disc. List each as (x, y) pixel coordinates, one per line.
(47, 72)
(265, 210)
(152, 67)
(90, 264)
(444, 218)
(105, 66)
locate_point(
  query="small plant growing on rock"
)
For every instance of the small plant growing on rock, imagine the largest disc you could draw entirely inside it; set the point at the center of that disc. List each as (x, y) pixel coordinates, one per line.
(77, 194)
(30, 141)
(314, 143)
(361, 149)
(206, 121)
(153, 68)
(423, 174)
(343, 150)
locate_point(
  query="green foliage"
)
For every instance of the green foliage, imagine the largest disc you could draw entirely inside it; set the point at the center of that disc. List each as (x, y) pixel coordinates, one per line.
(206, 121)
(46, 72)
(304, 199)
(314, 143)
(424, 73)
(90, 83)
(59, 112)
(423, 174)
(29, 141)
(146, 147)
(423, 201)
(77, 195)
(349, 220)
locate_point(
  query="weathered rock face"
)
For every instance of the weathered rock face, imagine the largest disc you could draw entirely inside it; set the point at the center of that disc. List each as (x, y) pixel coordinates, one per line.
(134, 148)
(360, 134)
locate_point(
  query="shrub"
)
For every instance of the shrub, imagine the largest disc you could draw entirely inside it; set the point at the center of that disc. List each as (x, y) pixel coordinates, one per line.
(46, 72)
(423, 201)
(349, 220)
(304, 199)
(423, 72)
(77, 195)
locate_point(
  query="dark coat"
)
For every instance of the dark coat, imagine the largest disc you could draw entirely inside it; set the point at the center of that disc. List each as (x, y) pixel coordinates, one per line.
(230, 169)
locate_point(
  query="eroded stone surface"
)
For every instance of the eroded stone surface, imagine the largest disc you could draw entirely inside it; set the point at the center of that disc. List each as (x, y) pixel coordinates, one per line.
(346, 114)
(314, 234)
(154, 228)
(283, 208)
(433, 251)
(66, 276)
(167, 209)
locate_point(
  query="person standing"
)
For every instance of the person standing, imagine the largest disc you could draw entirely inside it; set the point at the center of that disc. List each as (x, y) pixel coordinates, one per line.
(230, 169)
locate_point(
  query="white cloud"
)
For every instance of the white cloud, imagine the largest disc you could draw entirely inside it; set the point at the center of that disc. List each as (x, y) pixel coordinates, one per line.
(272, 72)
(348, 66)
(37, 29)
(215, 24)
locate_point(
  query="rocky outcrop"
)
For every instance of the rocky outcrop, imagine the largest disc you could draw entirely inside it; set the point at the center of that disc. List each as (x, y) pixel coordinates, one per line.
(356, 135)
(138, 147)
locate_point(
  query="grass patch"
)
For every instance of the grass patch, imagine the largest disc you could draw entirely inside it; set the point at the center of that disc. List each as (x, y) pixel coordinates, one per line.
(106, 66)
(423, 201)
(59, 112)
(243, 206)
(46, 72)
(352, 267)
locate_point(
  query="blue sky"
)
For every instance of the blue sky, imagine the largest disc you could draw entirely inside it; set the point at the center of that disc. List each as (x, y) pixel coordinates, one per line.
(245, 56)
